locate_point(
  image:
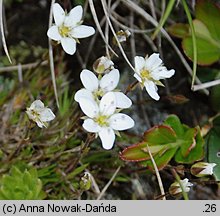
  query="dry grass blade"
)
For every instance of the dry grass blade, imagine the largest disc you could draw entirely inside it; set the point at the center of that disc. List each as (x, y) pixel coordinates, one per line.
(51, 57)
(2, 32)
(206, 85)
(157, 174)
(92, 8)
(23, 67)
(108, 184)
(104, 5)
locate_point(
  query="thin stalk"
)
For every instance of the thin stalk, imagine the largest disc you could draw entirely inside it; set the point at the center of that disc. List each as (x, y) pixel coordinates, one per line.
(189, 17)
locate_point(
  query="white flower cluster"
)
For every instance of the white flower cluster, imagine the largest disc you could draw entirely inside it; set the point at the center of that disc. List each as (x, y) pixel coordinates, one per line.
(101, 104)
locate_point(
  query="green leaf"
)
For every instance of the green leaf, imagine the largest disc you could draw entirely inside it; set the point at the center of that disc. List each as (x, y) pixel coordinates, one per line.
(191, 152)
(164, 17)
(174, 122)
(160, 160)
(77, 171)
(18, 184)
(172, 139)
(208, 47)
(160, 134)
(179, 30)
(212, 142)
(209, 14)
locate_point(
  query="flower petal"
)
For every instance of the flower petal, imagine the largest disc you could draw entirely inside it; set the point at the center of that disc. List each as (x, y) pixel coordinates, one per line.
(110, 81)
(69, 45)
(46, 114)
(89, 80)
(139, 62)
(120, 121)
(83, 93)
(151, 89)
(74, 16)
(138, 77)
(91, 126)
(107, 137)
(89, 107)
(37, 105)
(108, 104)
(40, 124)
(153, 61)
(122, 101)
(82, 31)
(53, 33)
(58, 14)
(162, 73)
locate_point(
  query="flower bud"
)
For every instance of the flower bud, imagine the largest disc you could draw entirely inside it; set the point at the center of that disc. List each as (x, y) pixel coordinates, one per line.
(122, 36)
(201, 169)
(85, 182)
(176, 190)
(103, 65)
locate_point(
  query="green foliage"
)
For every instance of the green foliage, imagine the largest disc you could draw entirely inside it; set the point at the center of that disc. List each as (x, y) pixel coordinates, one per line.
(212, 144)
(170, 140)
(206, 31)
(21, 185)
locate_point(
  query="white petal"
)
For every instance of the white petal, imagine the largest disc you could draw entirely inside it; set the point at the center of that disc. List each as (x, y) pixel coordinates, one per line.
(110, 81)
(89, 80)
(82, 31)
(139, 63)
(91, 126)
(122, 101)
(89, 107)
(137, 77)
(162, 73)
(40, 124)
(120, 121)
(58, 14)
(69, 45)
(37, 105)
(74, 16)
(108, 104)
(153, 61)
(151, 89)
(107, 137)
(53, 33)
(83, 93)
(46, 115)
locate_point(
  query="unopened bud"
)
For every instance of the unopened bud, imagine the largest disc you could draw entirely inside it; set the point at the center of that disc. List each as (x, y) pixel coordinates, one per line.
(85, 183)
(122, 36)
(176, 190)
(103, 65)
(201, 169)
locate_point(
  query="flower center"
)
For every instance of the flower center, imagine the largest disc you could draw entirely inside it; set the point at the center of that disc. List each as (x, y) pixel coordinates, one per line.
(35, 114)
(145, 74)
(64, 31)
(98, 93)
(102, 120)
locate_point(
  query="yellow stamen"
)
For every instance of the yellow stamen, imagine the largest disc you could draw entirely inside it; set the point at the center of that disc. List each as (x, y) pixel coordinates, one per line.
(64, 31)
(145, 74)
(102, 120)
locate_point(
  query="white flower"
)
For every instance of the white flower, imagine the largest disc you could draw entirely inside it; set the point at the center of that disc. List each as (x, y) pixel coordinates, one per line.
(201, 169)
(175, 188)
(68, 28)
(39, 113)
(95, 88)
(148, 71)
(103, 118)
